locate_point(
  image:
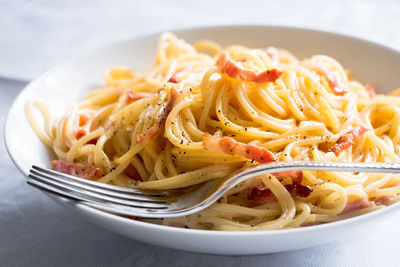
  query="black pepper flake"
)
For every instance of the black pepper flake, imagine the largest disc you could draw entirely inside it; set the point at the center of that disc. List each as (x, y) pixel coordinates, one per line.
(245, 128)
(247, 151)
(181, 142)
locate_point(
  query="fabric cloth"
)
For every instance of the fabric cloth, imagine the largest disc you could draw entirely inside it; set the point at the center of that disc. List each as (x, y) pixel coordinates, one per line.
(35, 231)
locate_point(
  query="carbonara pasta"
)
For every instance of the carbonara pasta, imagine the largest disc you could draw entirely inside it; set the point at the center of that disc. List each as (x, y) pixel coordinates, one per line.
(203, 111)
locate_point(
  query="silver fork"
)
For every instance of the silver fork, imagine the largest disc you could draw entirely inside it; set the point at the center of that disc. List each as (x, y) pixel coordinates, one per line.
(175, 203)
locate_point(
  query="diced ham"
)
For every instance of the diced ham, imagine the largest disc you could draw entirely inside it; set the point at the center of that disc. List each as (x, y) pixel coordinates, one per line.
(132, 173)
(261, 196)
(77, 169)
(155, 129)
(348, 139)
(232, 69)
(229, 146)
(273, 53)
(356, 205)
(337, 87)
(135, 96)
(371, 90)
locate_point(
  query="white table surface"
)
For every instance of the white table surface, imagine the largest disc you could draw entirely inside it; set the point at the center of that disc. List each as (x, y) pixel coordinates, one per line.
(34, 231)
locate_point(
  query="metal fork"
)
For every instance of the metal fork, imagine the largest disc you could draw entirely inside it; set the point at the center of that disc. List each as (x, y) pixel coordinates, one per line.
(175, 203)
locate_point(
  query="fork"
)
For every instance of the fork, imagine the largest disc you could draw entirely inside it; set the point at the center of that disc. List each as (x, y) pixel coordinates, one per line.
(178, 202)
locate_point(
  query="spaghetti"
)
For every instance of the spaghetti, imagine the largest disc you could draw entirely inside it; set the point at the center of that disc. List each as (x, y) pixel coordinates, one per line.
(203, 112)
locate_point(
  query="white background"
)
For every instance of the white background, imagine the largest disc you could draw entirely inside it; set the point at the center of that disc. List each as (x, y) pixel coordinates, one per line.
(34, 35)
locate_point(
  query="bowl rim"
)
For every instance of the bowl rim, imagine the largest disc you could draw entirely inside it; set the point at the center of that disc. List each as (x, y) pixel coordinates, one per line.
(151, 226)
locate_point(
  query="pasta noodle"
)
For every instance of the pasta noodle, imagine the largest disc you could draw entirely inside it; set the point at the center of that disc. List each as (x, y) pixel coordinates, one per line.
(203, 111)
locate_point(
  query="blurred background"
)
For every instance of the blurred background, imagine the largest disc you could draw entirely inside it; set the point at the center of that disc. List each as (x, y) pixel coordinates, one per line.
(37, 34)
(34, 35)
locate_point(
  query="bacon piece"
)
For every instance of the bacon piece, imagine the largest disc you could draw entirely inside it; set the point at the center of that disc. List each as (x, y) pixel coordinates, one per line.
(128, 216)
(155, 129)
(299, 190)
(232, 69)
(149, 133)
(312, 223)
(81, 132)
(370, 90)
(177, 224)
(134, 96)
(337, 87)
(384, 200)
(93, 141)
(173, 78)
(77, 169)
(132, 173)
(258, 196)
(347, 140)
(82, 126)
(83, 119)
(296, 176)
(229, 146)
(273, 53)
(356, 205)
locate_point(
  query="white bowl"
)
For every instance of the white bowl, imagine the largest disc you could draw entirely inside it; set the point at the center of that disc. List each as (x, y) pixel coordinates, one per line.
(70, 81)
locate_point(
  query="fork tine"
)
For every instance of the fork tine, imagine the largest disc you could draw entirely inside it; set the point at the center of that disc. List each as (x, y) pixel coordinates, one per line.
(97, 184)
(115, 208)
(77, 184)
(84, 194)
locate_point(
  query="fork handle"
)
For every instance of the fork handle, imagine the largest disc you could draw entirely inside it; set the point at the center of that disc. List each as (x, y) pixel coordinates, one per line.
(371, 167)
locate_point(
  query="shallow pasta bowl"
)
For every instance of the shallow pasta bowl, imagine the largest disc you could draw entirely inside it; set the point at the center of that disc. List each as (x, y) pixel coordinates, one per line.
(68, 82)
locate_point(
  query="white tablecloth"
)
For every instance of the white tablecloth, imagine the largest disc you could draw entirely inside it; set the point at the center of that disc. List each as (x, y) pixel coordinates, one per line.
(34, 231)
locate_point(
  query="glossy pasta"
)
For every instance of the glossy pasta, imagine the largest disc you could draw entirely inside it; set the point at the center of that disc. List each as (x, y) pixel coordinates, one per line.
(203, 111)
